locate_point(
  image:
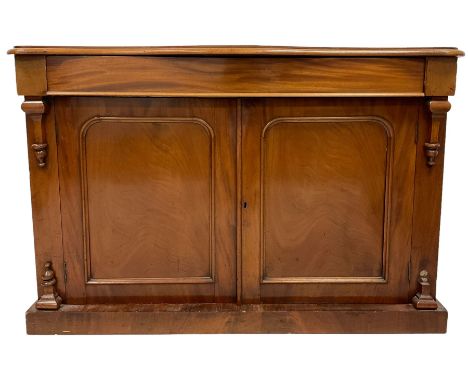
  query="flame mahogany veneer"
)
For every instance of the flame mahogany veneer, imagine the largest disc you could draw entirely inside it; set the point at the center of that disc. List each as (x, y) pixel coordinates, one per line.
(236, 189)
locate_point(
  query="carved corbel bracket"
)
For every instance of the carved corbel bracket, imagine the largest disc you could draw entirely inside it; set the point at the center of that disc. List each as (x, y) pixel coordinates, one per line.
(49, 300)
(438, 109)
(35, 110)
(423, 299)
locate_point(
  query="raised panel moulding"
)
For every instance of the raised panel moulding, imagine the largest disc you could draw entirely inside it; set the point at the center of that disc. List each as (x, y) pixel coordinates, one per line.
(382, 277)
(195, 279)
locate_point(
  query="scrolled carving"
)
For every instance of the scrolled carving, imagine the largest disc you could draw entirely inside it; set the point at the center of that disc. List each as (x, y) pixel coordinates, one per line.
(439, 109)
(49, 300)
(40, 150)
(432, 150)
(423, 299)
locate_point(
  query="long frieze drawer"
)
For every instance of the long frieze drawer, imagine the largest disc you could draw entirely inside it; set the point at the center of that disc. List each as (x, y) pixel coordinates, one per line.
(233, 76)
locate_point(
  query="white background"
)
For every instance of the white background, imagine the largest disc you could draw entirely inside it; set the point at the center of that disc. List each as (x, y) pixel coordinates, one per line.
(228, 357)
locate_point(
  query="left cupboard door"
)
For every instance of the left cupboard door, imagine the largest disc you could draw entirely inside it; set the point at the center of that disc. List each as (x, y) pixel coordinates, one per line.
(148, 199)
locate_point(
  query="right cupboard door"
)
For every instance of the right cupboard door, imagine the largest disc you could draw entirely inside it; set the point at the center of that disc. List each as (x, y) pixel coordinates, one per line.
(327, 199)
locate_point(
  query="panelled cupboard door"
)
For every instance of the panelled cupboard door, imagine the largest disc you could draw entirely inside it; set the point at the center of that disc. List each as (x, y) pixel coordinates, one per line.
(327, 199)
(148, 199)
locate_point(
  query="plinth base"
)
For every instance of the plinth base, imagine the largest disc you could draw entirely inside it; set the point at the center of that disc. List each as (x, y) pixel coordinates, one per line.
(232, 318)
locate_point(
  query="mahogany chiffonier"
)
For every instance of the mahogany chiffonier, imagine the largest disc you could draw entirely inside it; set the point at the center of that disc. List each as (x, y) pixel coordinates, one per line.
(236, 189)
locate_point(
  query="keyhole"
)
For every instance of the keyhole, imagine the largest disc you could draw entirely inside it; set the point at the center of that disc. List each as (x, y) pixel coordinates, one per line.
(244, 205)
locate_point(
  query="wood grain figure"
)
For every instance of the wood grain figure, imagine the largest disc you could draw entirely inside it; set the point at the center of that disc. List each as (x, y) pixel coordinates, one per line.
(236, 189)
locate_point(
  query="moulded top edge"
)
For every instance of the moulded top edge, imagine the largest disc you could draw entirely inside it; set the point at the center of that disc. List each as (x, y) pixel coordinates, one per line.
(233, 50)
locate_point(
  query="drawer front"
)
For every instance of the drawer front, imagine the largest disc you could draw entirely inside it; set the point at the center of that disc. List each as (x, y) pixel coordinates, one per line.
(328, 198)
(147, 200)
(234, 77)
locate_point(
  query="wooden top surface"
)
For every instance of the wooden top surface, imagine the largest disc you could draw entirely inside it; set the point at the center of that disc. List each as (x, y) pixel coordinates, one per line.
(239, 50)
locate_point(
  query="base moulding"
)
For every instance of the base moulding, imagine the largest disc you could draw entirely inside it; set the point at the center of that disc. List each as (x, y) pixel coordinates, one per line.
(214, 318)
